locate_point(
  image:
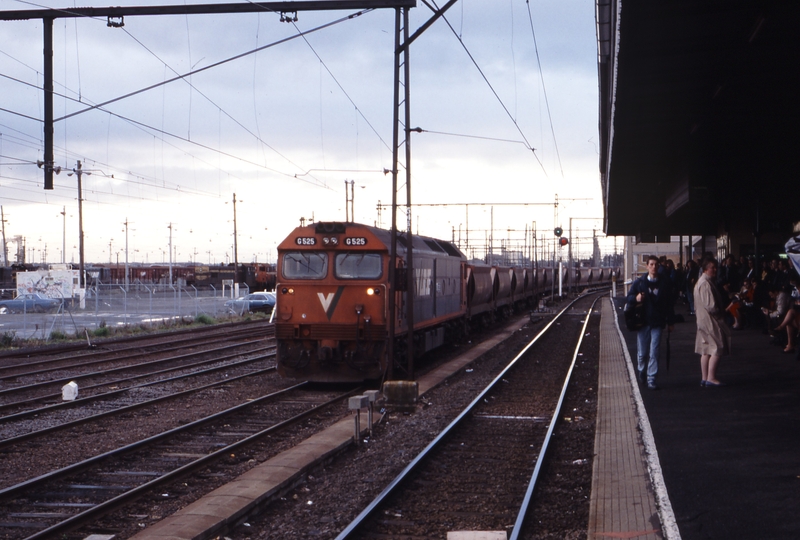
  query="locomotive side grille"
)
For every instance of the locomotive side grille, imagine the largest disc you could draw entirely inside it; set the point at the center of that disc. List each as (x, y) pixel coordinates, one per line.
(329, 331)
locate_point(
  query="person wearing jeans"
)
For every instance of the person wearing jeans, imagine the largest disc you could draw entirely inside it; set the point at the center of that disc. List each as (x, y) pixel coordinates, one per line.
(654, 291)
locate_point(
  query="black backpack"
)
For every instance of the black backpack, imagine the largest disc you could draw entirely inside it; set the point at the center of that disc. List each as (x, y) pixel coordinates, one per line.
(634, 316)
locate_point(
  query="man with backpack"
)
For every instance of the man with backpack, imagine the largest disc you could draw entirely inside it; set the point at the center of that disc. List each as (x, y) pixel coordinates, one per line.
(654, 291)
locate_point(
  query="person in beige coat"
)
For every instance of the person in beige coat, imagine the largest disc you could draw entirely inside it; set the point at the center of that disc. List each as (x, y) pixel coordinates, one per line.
(713, 335)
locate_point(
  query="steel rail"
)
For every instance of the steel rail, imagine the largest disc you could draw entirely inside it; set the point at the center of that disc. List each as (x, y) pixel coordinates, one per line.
(86, 399)
(173, 345)
(111, 504)
(56, 349)
(33, 434)
(523, 511)
(83, 376)
(394, 484)
(77, 467)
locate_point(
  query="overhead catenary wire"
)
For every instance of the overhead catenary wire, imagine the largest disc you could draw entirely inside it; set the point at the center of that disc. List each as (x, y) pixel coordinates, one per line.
(184, 77)
(485, 138)
(359, 112)
(324, 65)
(221, 110)
(491, 88)
(187, 139)
(184, 139)
(216, 64)
(21, 115)
(544, 88)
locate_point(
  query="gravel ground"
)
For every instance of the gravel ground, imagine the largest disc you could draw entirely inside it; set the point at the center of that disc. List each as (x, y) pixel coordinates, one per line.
(335, 493)
(330, 496)
(43, 454)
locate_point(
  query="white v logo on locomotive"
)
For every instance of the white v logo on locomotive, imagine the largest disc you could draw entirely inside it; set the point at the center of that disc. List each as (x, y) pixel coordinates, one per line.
(330, 300)
(326, 300)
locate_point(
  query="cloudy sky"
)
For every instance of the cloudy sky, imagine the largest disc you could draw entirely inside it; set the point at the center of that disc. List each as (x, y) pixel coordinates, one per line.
(284, 128)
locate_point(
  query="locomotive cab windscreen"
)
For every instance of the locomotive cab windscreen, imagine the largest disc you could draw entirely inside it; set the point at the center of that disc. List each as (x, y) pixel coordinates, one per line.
(358, 265)
(305, 265)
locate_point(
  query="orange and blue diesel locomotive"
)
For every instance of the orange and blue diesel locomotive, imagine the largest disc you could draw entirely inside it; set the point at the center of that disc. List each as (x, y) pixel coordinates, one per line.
(332, 287)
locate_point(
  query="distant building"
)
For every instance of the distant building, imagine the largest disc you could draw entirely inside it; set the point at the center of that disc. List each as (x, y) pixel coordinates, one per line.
(636, 252)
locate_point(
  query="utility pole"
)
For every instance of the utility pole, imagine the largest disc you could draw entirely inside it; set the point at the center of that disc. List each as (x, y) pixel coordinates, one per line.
(349, 198)
(170, 252)
(5, 247)
(126, 253)
(490, 262)
(79, 172)
(63, 238)
(235, 245)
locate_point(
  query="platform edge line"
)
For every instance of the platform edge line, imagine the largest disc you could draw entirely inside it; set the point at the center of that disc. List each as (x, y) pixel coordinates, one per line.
(668, 523)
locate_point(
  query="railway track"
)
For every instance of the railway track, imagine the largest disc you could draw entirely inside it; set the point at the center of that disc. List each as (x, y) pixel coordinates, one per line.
(123, 400)
(73, 496)
(7, 357)
(19, 399)
(43, 431)
(481, 471)
(39, 363)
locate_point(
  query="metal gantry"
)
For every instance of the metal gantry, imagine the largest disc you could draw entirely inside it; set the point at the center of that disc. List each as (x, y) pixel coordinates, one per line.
(115, 16)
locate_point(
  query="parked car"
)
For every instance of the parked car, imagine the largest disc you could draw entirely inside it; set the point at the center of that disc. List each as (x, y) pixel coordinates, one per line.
(30, 302)
(258, 302)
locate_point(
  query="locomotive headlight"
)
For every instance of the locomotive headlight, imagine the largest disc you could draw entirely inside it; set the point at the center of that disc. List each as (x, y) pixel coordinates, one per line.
(370, 291)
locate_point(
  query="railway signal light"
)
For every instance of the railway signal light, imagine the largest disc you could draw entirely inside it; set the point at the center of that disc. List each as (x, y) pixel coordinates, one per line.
(563, 241)
(558, 232)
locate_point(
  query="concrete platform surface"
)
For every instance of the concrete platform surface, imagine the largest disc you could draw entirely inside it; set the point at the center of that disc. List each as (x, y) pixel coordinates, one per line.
(623, 499)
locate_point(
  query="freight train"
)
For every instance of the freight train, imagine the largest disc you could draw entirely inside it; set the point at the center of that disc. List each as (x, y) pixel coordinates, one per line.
(332, 298)
(257, 276)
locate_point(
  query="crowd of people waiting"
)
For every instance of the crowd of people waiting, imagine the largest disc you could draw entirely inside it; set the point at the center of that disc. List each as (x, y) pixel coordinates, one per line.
(765, 298)
(729, 294)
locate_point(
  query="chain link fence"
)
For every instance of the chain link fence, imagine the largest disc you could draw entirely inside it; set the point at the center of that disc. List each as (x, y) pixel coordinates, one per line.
(145, 305)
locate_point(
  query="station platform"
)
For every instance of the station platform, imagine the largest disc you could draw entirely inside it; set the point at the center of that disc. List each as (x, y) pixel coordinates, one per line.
(722, 462)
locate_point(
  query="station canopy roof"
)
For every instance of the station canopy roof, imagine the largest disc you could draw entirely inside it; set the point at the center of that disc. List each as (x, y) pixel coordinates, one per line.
(699, 115)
